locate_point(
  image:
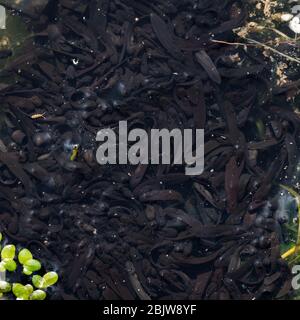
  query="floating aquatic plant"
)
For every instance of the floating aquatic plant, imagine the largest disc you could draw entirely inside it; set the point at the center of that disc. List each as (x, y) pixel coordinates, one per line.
(48, 280)
(29, 265)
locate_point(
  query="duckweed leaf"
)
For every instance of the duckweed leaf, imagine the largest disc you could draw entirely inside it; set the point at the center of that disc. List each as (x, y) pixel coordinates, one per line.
(24, 256)
(29, 289)
(8, 252)
(27, 272)
(20, 291)
(38, 281)
(38, 295)
(32, 265)
(50, 279)
(5, 287)
(10, 265)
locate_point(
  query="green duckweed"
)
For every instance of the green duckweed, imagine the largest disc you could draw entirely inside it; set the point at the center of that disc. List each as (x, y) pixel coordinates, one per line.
(30, 268)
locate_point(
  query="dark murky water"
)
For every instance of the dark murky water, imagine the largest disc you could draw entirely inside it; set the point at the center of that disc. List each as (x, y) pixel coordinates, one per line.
(178, 238)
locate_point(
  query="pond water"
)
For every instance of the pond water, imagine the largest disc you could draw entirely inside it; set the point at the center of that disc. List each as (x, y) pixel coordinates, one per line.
(13, 36)
(171, 232)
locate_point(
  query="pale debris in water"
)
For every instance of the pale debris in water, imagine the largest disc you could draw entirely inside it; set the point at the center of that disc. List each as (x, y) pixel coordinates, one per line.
(286, 17)
(2, 18)
(282, 78)
(295, 24)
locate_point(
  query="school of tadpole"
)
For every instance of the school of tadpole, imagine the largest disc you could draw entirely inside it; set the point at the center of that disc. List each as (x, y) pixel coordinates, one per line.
(147, 231)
